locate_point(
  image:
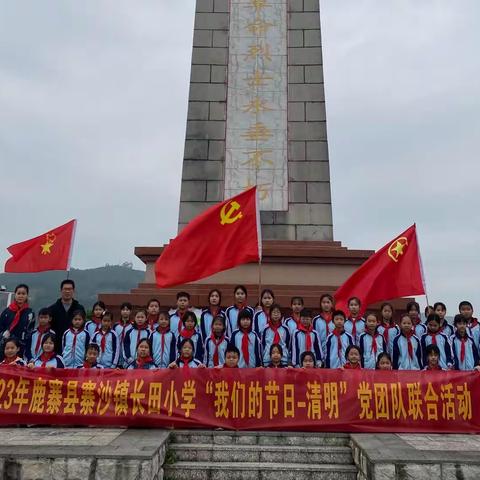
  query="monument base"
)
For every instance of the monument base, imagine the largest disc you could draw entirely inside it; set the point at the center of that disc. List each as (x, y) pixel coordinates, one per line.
(304, 268)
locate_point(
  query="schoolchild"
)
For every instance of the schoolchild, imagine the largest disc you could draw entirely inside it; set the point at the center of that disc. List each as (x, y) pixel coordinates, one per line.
(33, 344)
(388, 328)
(91, 357)
(293, 321)
(353, 356)
(240, 303)
(465, 308)
(143, 358)
(275, 333)
(247, 341)
(322, 323)
(307, 360)
(176, 318)
(121, 328)
(262, 316)
(413, 311)
(189, 331)
(407, 351)
(138, 332)
(337, 342)
(186, 358)
(208, 314)
(276, 356)
(48, 358)
(11, 350)
(432, 355)
(434, 336)
(441, 310)
(75, 341)
(371, 342)
(232, 357)
(93, 325)
(163, 342)
(465, 352)
(216, 344)
(355, 323)
(108, 342)
(306, 338)
(384, 362)
(153, 309)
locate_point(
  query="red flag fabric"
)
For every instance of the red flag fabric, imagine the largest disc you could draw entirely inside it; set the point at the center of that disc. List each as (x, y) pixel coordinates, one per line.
(392, 272)
(49, 251)
(222, 237)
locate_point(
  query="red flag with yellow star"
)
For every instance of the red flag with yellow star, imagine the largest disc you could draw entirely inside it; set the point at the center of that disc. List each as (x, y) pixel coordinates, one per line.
(225, 235)
(49, 251)
(394, 271)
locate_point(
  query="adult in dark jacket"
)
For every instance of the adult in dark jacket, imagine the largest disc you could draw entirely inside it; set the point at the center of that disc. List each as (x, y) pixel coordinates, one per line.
(62, 311)
(17, 319)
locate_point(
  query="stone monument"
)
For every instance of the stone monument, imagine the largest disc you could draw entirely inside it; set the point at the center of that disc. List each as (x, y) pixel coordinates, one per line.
(256, 116)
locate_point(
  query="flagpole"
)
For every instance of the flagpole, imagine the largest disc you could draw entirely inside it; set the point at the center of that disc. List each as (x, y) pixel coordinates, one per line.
(422, 269)
(260, 281)
(74, 232)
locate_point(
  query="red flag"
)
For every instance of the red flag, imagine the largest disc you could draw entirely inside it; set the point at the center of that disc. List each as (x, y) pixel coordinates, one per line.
(222, 237)
(392, 272)
(49, 251)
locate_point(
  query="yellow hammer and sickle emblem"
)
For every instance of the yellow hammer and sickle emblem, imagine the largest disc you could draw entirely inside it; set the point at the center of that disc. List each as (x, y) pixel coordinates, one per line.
(229, 216)
(396, 249)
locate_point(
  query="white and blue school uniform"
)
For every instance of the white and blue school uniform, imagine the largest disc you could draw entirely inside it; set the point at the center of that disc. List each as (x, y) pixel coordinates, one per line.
(19, 362)
(136, 366)
(121, 330)
(92, 327)
(335, 354)
(109, 356)
(443, 344)
(206, 320)
(371, 346)
(299, 345)
(323, 328)
(176, 322)
(474, 332)
(164, 348)
(132, 339)
(447, 329)
(33, 345)
(260, 322)
(358, 325)
(74, 347)
(268, 336)
(210, 347)
(471, 359)
(196, 338)
(193, 363)
(232, 318)
(254, 349)
(419, 329)
(292, 325)
(389, 334)
(401, 359)
(56, 362)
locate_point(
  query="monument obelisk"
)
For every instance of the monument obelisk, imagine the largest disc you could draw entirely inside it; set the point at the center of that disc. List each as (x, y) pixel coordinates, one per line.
(256, 116)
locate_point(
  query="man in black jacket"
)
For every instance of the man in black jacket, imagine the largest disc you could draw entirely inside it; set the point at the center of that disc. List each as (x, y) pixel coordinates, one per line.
(62, 311)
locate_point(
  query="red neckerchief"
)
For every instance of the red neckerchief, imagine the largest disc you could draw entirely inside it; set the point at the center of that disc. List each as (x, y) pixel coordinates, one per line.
(152, 320)
(186, 361)
(45, 357)
(473, 323)
(386, 331)
(417, 321)
(41, 331)
(434, 337)
(97, 321)
(163, 331)
(88, 365)
(409, 336)
(338, 334)
(18, 310)
(438, 367)
(213, 311)
(217, 343)
(140, 328)
(124, 327)
(276, 333)
(187, 333)
(308, 336)
(74, 344)
(349, 366)
(374, 342)
(462, 347)
(142, 361)
(11, 362)
(296, 318)
(354, 326)
(327, 316)
(103, 341)
(240, 306)
(180, 319)
(245, 344)
(226, 366)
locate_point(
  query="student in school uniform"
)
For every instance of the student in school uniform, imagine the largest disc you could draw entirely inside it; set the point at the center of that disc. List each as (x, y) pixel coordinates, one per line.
(441, 310)
(186, 358)
(232, 357)
(33, 344)
(121, 328)
(307, 360)
(189, 331)
(337, 342)
(143, 356)
(276, 355)
(261, 318)
(432, 356)
(293, 321)
(240, 299)
(371, 343)
(108, 342)
(465, 308)
(216, 344)
(407, 351)
(388, 328)
(75, 341)
(465, 352)
(435, 337)
(93, 325)
(247, 341)
(353, 356)
(322, 323)
(11, 350)
(138, 332)
(91, 357)
(355, 323)
(48, 358)
(176, 318)
(384, 362)
(275, 333)
(209, 313)
(306, 339)
(163, 342)
(413, 311)
(153, 310)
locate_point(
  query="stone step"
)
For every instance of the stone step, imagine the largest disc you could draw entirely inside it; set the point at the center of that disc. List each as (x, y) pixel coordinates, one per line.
(191, 452)
(227, 437)
(257, 471)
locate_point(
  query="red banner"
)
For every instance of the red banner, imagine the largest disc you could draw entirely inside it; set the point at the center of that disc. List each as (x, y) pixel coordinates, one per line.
(246, 399)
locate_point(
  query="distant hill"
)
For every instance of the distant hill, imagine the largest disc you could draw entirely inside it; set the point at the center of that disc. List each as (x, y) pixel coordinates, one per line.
(45, 286)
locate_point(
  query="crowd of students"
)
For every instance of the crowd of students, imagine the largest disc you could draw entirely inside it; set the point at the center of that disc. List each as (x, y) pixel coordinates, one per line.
(238, 336)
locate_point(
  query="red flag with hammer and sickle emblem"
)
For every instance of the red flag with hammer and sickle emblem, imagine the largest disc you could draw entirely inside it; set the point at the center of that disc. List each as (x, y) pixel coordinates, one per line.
(49, 251)
(225, 235)
(394, 271)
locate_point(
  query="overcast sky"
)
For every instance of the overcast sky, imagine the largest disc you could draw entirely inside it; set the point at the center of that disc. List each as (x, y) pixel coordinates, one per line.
(93, 99)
